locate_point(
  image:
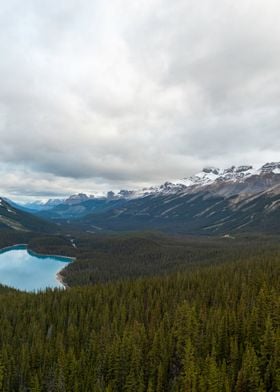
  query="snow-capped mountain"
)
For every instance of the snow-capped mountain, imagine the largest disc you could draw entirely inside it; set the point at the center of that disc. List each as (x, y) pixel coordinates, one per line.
(211, 175)
(211, 201)
(233, 180)
(215, 201)
(228, 181)
(40, 205)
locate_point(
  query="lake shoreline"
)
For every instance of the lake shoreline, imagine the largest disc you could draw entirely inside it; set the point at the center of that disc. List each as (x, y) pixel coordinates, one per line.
(6, 248)
(58, 276)
(63, 258)
(32, 252)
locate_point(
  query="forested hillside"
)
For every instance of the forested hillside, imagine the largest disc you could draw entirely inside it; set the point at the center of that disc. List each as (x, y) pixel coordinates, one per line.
(201, 213)
(214, 328)
(105, 258)
(16, 220)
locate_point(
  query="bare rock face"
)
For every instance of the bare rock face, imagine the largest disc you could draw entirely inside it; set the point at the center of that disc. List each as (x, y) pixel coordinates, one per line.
(76, 199)
(234, 180)
(213, 170)
(273, 167)
(214, 201)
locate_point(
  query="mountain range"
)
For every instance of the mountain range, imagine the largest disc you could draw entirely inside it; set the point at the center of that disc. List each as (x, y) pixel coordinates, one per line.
(214, 201)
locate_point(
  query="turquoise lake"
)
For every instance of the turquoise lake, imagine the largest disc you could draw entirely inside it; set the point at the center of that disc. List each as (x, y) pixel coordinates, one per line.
(27, 271)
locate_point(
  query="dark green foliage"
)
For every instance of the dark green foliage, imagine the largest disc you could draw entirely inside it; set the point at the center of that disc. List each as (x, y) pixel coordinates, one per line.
(10, 238)
(56, 244)
(115, 257)
(211, 328)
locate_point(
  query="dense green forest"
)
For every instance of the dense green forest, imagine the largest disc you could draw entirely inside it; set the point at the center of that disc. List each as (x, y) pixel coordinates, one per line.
(104, 258)
(210, 328)
(146, 312)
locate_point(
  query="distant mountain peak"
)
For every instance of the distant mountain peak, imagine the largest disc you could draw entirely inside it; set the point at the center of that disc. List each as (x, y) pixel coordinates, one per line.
(271, 167)
(213, 170)
(77, 198)
(211, 175)
(214, 200)
(223, 181)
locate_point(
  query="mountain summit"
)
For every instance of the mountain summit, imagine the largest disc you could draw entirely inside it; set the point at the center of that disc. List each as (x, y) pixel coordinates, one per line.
(214, 201)
(210, 175)
(233, 180)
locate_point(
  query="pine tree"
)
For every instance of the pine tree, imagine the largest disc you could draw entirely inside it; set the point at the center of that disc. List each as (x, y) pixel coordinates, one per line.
(35, 384)
(2, 374)
(190, 370)
(249, 377)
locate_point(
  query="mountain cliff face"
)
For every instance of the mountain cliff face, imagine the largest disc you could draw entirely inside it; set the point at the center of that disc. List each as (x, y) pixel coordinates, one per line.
(215, 201)
(227, 182)
(200, 212)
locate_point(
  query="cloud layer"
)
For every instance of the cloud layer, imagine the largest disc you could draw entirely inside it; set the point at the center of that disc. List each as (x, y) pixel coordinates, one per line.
(98, 94)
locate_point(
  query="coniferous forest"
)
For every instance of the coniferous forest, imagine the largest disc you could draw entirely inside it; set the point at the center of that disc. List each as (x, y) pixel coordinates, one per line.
(195, 327)
(140, 196)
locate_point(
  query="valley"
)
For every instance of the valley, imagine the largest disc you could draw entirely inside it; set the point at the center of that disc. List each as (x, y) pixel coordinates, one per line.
(213, 202)
(199, 220)
(139, 196)
(174, 289)
(211, 327)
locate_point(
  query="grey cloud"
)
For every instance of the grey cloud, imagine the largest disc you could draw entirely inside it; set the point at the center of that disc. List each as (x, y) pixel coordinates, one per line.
(99, 95)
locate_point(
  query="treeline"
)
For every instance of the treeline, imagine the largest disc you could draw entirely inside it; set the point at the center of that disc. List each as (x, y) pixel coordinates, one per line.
(12, 237)
(212, 328)
(105, 258)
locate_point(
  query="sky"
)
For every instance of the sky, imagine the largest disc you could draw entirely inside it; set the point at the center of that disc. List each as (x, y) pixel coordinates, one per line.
(98, 95)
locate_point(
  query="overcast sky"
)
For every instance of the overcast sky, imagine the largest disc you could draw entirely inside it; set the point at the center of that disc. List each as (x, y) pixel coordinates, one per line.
(98, 95)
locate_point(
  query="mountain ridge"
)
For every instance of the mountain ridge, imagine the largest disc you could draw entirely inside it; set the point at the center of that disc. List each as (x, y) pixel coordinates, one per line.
(208, 176)
(216, 201)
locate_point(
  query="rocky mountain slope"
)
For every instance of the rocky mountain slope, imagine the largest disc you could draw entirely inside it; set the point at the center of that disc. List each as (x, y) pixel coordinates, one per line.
(226, 182)
(215, 201)
(200, 212)
(14, 219)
